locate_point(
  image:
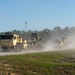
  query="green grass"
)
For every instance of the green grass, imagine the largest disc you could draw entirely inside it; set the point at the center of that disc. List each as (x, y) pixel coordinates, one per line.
(45, 63)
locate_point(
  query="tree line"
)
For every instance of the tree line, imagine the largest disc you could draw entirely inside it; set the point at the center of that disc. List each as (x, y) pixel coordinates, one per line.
(47, 34)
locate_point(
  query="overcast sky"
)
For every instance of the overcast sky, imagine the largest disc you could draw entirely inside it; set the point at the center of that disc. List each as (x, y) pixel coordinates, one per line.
(39, 14)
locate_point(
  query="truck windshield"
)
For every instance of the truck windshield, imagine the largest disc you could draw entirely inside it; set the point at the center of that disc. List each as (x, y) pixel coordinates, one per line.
(34, 36)
(6, 37)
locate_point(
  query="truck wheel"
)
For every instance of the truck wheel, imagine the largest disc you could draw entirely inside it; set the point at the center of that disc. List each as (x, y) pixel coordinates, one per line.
(18, 47)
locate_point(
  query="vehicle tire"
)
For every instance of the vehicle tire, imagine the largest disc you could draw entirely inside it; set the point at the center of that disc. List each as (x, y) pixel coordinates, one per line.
(18, 47)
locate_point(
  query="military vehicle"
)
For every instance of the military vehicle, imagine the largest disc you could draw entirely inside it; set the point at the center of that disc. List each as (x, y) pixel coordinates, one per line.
(9, 41)
(34, 42)
(61, 44)
(12, 41)
(64, 41)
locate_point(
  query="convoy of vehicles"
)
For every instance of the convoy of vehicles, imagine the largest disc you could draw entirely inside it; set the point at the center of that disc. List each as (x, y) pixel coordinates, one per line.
(15, 42)
(9, 41)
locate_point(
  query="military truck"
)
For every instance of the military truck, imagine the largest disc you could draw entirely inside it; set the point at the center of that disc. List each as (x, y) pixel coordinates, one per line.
(64, 41)
(12, 41)
(61, 43)
(34, 42)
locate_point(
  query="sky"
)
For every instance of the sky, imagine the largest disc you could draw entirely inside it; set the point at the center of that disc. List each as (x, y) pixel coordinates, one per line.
(39, 14)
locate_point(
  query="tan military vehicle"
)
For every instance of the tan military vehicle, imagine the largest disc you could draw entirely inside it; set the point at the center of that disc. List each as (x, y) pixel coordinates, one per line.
(64, 41)
(35, 41)
(12, 41)
(61, 44)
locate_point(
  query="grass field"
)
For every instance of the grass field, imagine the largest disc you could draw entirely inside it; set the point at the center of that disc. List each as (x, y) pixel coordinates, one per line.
(44, 63)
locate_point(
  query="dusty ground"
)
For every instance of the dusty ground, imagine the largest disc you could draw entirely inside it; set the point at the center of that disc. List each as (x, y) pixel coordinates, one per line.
(22, 52)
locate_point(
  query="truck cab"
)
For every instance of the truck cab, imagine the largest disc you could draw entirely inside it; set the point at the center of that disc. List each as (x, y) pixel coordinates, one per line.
(12, 41)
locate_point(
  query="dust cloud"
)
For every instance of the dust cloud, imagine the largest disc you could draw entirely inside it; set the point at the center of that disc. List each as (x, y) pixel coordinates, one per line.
(18, 53)
(51, 45)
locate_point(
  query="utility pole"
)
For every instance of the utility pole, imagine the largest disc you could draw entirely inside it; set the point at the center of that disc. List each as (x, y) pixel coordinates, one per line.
(26, 29)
